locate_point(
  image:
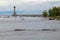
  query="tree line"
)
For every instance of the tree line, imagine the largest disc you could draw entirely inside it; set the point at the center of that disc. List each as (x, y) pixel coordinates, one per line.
(54, 13)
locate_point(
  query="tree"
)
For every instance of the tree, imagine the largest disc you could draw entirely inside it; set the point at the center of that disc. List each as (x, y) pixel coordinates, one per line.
(58, 11)
(45, 14)
(55, 11)
(50, 12)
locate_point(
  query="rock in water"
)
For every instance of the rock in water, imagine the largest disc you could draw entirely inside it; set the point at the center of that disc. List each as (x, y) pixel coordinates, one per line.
(48, 29)
(19, 30)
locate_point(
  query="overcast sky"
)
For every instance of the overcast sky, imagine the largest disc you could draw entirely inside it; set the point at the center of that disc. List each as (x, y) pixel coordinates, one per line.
(24, 5)
(7, 2)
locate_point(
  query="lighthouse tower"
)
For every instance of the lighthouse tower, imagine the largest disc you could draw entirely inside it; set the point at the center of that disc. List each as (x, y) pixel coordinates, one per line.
(14, 12)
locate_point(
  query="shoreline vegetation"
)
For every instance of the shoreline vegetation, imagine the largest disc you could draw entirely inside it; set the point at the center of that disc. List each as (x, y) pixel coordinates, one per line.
(52, 14)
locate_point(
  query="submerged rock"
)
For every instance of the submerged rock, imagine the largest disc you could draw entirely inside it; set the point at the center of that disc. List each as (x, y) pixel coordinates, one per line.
(19, 30)
(22, 19)
(48, 29)
(51, 19)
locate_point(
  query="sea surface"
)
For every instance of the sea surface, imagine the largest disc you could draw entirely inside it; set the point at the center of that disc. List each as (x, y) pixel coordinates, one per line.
(8, 25)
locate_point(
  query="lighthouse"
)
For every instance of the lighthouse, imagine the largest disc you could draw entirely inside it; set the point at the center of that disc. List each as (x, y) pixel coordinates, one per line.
(14, 13)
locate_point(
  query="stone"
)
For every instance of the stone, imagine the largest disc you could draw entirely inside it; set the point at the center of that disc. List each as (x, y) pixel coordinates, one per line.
(48, 29)
(19, 30)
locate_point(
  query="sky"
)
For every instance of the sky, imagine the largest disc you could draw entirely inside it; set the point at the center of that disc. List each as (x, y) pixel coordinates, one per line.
(26, 6)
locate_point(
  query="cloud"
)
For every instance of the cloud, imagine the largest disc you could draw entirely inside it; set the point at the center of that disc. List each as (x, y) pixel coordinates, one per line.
(2, 3)
(21, 2)
(27, 6)
(6, 5)
(6, 2)
(28, 1)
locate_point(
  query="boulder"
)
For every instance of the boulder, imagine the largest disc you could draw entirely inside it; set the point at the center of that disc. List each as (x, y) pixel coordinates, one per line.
(19, 30)
(48, 29)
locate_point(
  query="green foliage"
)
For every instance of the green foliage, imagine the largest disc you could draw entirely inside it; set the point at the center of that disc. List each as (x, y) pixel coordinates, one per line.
(55, 11)
(45, 14)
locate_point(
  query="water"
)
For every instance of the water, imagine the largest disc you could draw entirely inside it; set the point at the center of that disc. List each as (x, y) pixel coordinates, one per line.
(8, 25)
